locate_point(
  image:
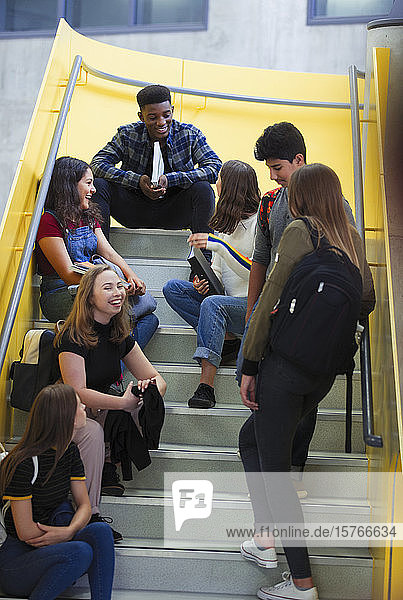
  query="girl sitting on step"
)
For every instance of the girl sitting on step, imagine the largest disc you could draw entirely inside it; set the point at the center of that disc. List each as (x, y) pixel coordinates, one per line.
(49, 544)
(69, 233)
(220, 320)
(91, 344)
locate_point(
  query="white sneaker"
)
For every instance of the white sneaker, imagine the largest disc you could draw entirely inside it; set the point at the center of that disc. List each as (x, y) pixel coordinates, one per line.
(286, 590)
(300, 489)
(264, 558)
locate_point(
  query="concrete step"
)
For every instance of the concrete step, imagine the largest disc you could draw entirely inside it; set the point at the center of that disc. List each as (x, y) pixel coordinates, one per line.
(221, 426)
(218, 572)
(183, 379)
(164, 312)
(153, 518)
(84, 594)
(208, 459)
(150, 243)
(155, 272)
(147, 571)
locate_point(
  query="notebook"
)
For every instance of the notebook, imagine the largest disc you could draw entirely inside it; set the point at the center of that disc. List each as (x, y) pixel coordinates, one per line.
(201, 267)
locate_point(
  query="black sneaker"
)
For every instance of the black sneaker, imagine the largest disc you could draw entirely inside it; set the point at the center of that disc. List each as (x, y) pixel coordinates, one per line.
(117, 537)
(111, 485)
(203, 397)
(230, 351)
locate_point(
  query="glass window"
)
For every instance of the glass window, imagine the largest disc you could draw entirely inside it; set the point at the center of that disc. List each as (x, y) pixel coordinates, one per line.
(26, 15)
(102, 13)
(117, 15)
(158, 12)
(346, 11)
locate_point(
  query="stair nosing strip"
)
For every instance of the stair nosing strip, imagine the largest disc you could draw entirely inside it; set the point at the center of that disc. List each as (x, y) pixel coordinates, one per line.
(152, 232)
(227, 555)
(324, 414)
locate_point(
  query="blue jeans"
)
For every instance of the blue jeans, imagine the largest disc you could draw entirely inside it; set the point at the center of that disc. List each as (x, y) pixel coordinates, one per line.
(210, 316)
(55, 301)
(145, 329)
(44, 573)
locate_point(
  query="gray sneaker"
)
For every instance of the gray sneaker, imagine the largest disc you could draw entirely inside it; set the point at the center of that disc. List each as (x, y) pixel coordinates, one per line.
(264, 558)
(286, 590)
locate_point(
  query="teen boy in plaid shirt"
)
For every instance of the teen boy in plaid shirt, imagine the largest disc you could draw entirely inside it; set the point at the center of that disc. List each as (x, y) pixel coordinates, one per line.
(183, 196)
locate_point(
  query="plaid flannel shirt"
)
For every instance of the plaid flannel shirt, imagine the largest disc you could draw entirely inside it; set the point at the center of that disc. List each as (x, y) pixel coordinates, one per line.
(186, 147)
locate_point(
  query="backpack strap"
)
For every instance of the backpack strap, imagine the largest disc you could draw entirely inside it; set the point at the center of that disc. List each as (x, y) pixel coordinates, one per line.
(266, 205)
(62, 227)
(316, 241)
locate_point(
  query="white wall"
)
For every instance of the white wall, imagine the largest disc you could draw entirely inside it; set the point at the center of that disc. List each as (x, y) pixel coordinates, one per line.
(257, 33)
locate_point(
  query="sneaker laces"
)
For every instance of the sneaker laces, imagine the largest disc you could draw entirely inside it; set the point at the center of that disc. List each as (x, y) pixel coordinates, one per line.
(99, 518)
(287, 582)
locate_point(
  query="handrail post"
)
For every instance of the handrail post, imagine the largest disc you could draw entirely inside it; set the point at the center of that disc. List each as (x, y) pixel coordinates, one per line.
(366, 393)
(365, 355)
(37, 213)
(357, 158)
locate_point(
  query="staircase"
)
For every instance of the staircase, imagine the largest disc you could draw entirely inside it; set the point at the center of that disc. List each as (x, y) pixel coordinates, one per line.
(206, 441)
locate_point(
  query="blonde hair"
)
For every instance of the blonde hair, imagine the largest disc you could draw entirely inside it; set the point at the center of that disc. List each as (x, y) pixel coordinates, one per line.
(315, 192)
(80, 322)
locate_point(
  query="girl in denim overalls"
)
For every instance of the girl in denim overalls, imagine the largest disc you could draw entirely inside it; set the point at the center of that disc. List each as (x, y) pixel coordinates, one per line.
(69, 233)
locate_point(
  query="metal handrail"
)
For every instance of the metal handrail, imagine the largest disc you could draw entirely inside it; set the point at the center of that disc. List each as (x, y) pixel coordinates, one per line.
(44, 185)
(365, 352)
(37, 213)
(219, 95)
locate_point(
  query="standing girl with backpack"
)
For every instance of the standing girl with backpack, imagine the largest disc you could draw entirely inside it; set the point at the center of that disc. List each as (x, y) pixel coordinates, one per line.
(220, 320)
(49, 544)
(70, 234)
(278, 391)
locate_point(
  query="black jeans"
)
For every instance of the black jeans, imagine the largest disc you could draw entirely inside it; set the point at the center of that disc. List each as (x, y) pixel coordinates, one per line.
(306, 427)
(285, 394)
(178, 209)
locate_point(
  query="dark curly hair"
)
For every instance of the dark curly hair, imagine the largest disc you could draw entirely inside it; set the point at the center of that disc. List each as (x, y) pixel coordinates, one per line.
(239, 197)
(281, 140)
(62, 197)
(153, 94)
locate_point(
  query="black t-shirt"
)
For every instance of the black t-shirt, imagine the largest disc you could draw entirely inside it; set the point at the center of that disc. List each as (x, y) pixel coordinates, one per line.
(102, 363)
(45, 497)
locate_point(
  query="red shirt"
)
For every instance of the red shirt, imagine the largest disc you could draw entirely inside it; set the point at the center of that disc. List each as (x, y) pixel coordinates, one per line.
(49, 227)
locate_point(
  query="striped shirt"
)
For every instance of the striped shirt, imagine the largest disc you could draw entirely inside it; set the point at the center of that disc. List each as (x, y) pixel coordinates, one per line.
(231, 256)
(190, 158)
(45, 497)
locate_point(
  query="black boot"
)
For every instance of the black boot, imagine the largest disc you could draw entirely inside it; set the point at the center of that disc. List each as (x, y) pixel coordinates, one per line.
(203, 397)
(111, 485)
(117, 537)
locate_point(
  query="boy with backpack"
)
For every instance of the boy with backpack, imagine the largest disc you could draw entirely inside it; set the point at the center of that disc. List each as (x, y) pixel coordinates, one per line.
(282, 148)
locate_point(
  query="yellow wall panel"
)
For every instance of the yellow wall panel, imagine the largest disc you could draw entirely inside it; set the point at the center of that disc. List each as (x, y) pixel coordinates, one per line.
(98, 107)
(15, 221)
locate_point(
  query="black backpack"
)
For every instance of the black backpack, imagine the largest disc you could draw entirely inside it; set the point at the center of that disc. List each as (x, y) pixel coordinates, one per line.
(37, 368)
(315, 321)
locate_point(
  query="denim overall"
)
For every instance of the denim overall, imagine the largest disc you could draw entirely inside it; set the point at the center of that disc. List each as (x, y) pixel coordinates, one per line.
(56, 301)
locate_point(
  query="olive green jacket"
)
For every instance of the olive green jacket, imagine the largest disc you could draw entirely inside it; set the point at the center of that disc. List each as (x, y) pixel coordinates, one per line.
(294, 245)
